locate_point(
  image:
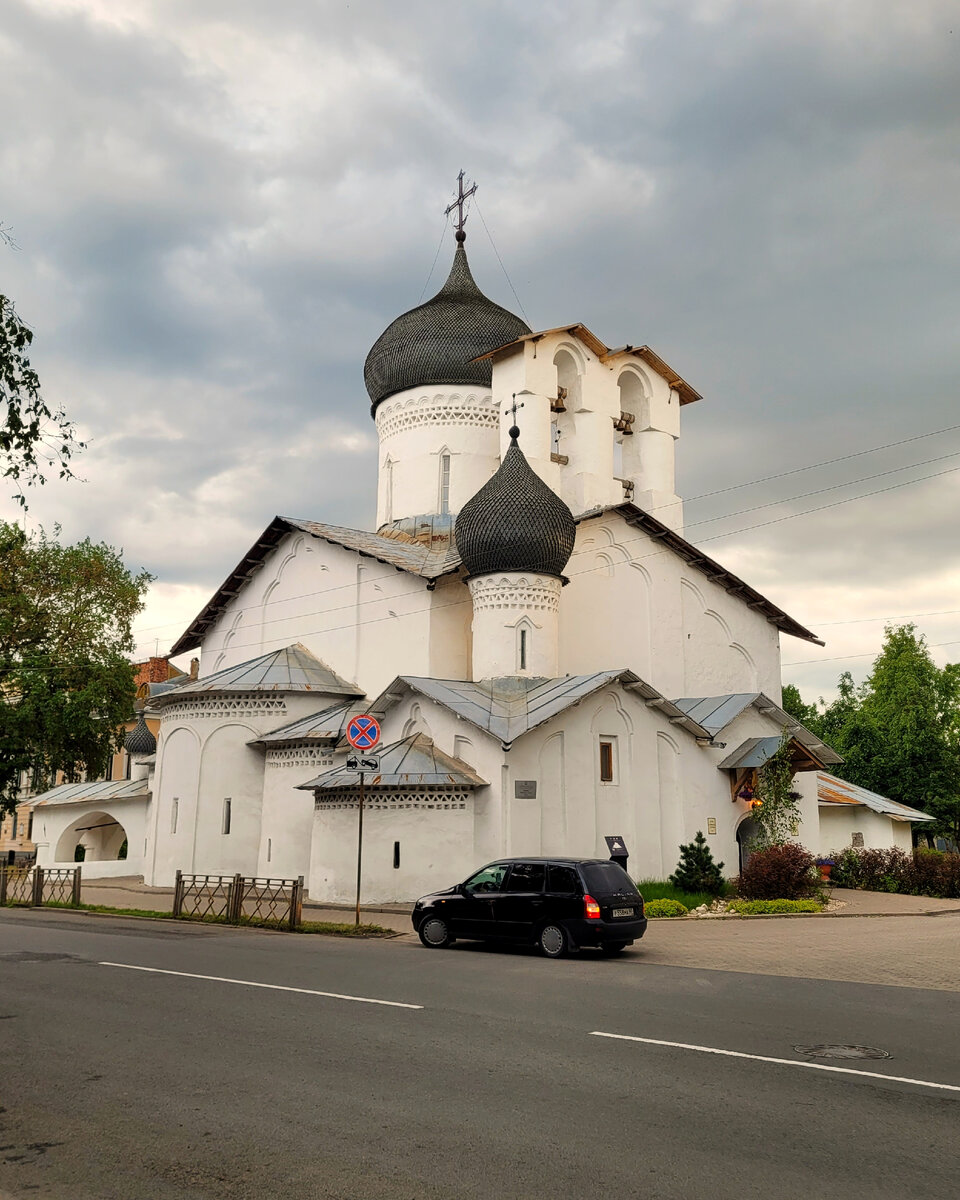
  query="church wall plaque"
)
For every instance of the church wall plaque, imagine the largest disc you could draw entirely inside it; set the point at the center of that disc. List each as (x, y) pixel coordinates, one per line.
(525, 789)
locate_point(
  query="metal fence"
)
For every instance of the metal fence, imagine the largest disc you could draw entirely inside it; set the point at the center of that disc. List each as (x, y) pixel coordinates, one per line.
(36, 886)
(238, 899)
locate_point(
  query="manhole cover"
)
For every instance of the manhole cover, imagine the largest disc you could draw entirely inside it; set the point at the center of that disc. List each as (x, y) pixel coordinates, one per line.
(842, 1051)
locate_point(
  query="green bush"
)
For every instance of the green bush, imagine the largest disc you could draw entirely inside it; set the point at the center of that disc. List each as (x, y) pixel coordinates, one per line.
(665, 908)
(696, 871)
(783, 872)
(924, 873)
(758, 908)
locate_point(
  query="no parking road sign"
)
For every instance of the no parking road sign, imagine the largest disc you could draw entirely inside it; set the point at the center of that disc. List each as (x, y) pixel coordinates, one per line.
(363, 732)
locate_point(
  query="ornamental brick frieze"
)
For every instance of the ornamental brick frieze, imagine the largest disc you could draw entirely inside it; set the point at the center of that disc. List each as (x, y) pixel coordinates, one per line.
(216, 707)
(394, 799)
(530, 594)
(299, 756)
(472, 410)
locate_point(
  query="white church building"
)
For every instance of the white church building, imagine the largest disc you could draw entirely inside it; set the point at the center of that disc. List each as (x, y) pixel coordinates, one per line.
(550, 659)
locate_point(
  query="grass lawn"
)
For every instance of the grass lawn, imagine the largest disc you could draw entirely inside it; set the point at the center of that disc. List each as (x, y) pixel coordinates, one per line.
(661, 889)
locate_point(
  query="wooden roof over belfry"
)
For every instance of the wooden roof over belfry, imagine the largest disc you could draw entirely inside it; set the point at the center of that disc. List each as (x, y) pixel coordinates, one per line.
(605, 354)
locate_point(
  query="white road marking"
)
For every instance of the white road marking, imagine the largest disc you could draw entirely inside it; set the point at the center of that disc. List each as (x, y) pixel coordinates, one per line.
(274, 987)
(786, 1062)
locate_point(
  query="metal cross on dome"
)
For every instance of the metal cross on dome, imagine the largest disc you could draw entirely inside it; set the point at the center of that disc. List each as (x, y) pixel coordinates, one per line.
(512, 408)
(458, 204)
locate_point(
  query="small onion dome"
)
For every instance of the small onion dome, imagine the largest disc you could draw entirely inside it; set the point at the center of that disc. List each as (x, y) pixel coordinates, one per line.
(435, 342)
(140, 740)
(515, 522)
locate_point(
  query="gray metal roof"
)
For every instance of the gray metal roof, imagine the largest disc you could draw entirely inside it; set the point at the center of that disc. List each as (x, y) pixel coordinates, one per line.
(412, 762)
(325, 726)
(94, 791)
(754, 752)
(437, 342)
(716, 712)
(515, 522)
(833, 792)
(509, 708)
(292, 669)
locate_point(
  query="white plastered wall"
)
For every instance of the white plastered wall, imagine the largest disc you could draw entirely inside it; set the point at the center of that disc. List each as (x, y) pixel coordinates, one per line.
(839, 823)
(365, 619)
(597, 393)
(287, 824)
(632, 603)
(416, 429)
(57, 830)
(204, 759)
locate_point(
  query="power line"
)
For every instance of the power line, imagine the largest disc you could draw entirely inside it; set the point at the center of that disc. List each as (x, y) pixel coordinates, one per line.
(354, 604)
(825, 463)
(705, 521)
(443, 234)
(500, 261)
(866, 654)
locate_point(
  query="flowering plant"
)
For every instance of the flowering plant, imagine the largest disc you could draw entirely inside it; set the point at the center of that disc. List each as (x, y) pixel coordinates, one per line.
(745, 793)
(826, 862)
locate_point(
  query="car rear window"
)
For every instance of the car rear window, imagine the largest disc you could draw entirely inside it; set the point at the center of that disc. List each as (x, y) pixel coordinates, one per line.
(604, 878)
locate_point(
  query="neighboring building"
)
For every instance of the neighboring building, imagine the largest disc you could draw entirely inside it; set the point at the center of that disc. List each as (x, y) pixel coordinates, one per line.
(16, 830)
(551, 660)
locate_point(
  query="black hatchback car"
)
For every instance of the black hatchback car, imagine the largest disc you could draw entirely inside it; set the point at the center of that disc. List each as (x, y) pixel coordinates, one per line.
(557, 904)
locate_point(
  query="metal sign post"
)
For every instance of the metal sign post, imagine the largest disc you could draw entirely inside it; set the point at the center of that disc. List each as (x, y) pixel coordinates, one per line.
(359, 849)
(363, 733)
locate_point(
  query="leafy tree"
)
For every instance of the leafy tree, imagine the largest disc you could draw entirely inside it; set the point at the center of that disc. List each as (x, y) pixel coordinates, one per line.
(33, 437)
(66, 685)
(899, 732)
(696, 871)
(793, 703)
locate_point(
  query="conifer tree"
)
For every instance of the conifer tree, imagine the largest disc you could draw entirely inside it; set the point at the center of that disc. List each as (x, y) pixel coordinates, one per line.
(696, 871)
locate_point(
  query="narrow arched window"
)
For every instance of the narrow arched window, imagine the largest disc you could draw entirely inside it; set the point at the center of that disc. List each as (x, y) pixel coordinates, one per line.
(523, 649)
(388, 490)
(444, 483)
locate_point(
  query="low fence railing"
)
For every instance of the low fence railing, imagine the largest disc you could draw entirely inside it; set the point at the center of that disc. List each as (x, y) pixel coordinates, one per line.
(36, 886)
(237, 899)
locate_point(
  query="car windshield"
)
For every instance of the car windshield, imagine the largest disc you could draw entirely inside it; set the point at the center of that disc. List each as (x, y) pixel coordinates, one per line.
(604, 878)
(490, 879)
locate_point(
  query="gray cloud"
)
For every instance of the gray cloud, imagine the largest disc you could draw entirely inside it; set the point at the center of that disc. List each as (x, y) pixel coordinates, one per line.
(220, 206)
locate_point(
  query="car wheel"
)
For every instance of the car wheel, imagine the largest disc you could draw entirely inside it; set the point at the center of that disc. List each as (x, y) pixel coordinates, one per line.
(435, 933)
(552, 941)
(612, 948)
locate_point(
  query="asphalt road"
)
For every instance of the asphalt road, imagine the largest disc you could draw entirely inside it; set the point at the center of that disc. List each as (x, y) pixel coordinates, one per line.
(121, 1084)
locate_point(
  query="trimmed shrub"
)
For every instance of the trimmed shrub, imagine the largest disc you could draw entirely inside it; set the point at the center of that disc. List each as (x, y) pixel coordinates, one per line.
(696, 870)
(759, 908)
(665, 908)
(924, 873)
(785, 872)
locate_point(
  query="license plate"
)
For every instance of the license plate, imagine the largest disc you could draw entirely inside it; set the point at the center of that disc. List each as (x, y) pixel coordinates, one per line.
(623, 912)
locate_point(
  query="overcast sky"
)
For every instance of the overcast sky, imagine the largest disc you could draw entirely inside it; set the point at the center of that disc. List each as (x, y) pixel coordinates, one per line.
(218, 206)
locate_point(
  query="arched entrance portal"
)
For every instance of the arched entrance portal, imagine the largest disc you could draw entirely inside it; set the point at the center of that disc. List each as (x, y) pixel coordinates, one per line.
(94, 837)
(747, 832)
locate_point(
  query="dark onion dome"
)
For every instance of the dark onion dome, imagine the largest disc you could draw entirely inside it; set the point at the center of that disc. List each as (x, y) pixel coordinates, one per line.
(435, 342)
(515, 522)
(140, 740)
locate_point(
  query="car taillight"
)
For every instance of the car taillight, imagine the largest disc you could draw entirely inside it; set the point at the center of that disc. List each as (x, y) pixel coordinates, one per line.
(591, 909)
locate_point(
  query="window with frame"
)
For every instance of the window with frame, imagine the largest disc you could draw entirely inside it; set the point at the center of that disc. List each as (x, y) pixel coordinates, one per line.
(526, 877)
(608, 760)
(227, 806)
(444, 483)
(522, 650)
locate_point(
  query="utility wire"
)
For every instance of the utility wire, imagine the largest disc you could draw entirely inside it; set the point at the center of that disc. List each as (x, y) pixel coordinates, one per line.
(825, 463)
(443, 234)
(500, 261)
(867, 654)
(705, 521)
